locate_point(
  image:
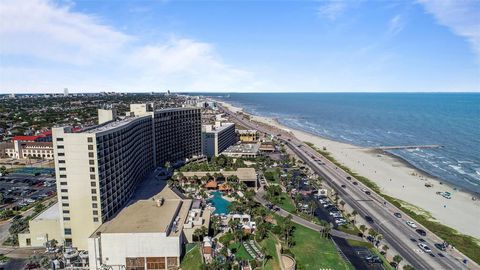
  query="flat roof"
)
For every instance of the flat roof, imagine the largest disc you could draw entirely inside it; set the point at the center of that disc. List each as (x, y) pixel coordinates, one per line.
(144, 216)
(50, 213)
(112, 125)
(243, 148)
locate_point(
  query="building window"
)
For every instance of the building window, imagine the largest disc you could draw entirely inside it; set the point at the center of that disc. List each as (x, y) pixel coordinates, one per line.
(90, 139)
(172, 261)
(61, 154)
(63, 183)
(156, 263)
(137, 263)
(92, 169)
(95, 212)
(92, 176)
(66, 218)
(94, 191)
(66, 211)
(64, 190)
(60, 147)
(63, 176)
(94, 198)
(95, 219)
(59, 139)
(62, 169)
(94, 205)
(91, 162)
(64, 197)
(90, 154)
(68, 231)
(90, 147)
(61, 161)
(93, 184)
(65, 204)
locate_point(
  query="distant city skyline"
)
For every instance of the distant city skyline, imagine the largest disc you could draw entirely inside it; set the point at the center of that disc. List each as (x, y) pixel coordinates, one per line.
(216, 46)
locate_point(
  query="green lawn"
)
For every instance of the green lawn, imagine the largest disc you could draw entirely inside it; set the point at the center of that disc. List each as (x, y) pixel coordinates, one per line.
(314, 252)
(272, 176)
(287, 203)
(192, 260)
(272, 262)
(240, 251)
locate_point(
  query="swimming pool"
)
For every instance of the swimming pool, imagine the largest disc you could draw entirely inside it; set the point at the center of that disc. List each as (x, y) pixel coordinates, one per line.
(220, 204)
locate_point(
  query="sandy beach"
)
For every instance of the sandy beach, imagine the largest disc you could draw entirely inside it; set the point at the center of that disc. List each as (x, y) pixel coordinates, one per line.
(398, 179)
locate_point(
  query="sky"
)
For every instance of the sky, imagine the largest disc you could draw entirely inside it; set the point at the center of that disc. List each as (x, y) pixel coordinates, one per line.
(240, 46)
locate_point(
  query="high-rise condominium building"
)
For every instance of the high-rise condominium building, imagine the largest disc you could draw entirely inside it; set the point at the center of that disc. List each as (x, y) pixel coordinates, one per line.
(98, 169)
(217, 138)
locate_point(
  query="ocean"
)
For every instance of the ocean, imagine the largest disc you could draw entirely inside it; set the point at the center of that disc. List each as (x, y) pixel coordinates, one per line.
(386, 119)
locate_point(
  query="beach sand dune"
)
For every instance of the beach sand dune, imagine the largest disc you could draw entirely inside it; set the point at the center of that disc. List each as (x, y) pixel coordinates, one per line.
(398, 179)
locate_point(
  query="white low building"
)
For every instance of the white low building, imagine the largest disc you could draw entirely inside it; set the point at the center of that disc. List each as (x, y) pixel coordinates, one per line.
(144, 235)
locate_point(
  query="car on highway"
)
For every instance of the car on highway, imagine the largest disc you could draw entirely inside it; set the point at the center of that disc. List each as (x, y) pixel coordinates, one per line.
(355, 183)
(424, 247)
(411, 224)
(369, 219)
(413, 240)
(349, 178)
(441, 247)
(343, 186)
(421, 232)
(398, 215)
(367, 192)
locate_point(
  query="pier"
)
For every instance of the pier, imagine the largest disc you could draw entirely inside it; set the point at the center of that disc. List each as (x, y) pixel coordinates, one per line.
(397, 147)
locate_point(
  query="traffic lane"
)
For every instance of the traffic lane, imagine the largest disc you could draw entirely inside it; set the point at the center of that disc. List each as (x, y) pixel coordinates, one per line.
(406, 252)
(316, 154)
(448, 261)
(355, 258)
(377, 210)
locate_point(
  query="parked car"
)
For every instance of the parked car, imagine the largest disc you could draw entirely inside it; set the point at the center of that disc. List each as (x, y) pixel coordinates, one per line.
(349, 178)
(355, 183)
(398, 215)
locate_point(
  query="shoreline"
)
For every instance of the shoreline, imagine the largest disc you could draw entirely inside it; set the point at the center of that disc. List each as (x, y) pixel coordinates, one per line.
(396, 177)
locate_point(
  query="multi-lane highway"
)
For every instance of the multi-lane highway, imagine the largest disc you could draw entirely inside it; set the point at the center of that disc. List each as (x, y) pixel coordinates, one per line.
(395, 231)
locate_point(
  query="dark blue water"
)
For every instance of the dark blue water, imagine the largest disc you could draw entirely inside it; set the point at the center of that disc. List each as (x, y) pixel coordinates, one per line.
(378, 119)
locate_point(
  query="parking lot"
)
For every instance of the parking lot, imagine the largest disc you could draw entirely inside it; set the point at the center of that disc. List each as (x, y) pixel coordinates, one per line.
(21, 190)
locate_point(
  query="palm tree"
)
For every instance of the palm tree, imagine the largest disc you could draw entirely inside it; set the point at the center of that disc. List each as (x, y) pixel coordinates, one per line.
(342, 203)
(385, 248)
(397, 259)
(363, 228)
(354, 214)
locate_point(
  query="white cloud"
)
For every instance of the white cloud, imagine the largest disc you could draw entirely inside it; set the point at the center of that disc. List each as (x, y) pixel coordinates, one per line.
(332, 9)
(462, 17)
(81, 51)
(396, 25)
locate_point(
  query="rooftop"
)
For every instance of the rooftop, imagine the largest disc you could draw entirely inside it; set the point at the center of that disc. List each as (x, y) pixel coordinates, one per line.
(244, 148)
(144, 216)
(50, 213)
(111, 125)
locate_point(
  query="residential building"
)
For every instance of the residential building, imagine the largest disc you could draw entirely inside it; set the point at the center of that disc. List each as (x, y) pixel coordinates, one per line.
(177, 134)
(217, 138)
(99, 168)
(27, 149)
(42, 228)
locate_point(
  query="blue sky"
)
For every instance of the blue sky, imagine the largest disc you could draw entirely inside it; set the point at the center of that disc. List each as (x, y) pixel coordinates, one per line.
(327, 46)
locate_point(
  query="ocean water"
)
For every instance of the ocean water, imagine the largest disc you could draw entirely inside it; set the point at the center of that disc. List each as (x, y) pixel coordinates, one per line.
(383, 119)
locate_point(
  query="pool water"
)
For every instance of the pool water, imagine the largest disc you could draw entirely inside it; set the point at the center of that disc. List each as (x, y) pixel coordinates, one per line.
(220, 204)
